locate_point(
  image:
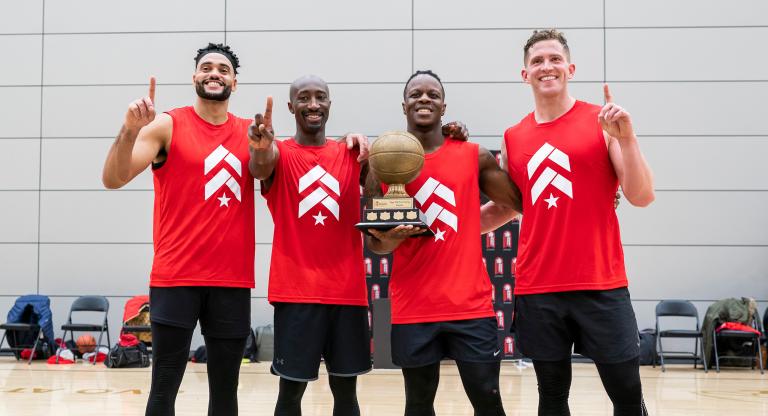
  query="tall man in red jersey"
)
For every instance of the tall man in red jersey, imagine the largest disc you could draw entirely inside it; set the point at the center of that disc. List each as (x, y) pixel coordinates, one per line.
(439, 287)
(317, 281)
(203, 228)
(569, 157)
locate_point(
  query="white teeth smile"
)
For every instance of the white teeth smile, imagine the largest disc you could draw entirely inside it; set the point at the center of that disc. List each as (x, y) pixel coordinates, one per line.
(424, 111)
(548, 78)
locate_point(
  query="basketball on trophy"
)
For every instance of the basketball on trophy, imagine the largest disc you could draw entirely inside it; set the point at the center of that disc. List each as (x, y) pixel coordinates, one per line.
(396, 157)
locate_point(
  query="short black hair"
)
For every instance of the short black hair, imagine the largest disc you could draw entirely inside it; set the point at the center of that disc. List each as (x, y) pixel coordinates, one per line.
(218, 48)
(424, 72)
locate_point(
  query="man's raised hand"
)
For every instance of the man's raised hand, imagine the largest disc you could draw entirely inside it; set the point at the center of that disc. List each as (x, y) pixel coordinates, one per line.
(142, 111)
(260, 134)
(615, 120)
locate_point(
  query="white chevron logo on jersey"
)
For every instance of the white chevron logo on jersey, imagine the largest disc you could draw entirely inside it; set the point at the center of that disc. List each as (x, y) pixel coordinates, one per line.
(319, 195)
(435, 210)
(549, 176)
(223, 177)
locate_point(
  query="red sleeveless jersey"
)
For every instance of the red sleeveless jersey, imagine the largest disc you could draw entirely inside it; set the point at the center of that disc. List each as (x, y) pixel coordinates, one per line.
(442, 278)
(204, 216)
(569, 235)
(317, 253)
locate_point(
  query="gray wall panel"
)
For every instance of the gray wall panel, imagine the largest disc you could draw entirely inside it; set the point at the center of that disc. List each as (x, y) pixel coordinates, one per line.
(140, 15)
(18, 222)
(265, 227)
(692, 218)
(107, 110)
(18, 270)
(720, 109)
(685, 13)
(310, 15)
(707, 162)
(461, 14)
(109, 269)
(76, 164)
(96, 217)
(19, 164)
(261, 269)
(497, 55)
(20, 112)
(695, 272)
(25, 53)
(365, 56)
(167, 56)
(26, 17)
(654, 60)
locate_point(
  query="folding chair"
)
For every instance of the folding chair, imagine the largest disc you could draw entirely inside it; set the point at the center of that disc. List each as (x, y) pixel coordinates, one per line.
(17, 329)
(746, 337)
(684, 309)
(87, 304)
(30, 325)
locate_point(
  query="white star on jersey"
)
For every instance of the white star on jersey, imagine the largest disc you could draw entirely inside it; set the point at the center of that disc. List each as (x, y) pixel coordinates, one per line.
(223, 201)
(439, 235)
(551, 201)
(319, 218)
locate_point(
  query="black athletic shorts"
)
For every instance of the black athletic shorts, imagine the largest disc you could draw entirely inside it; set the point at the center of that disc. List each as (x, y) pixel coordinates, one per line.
(305, 332)
(422, 344)
(599, 324)
(223, 312)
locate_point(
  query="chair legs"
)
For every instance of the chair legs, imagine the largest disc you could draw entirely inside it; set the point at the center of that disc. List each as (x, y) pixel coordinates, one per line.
(34, 346)
(2, 340)
(661, 356)
(759, 354)
(98, 344)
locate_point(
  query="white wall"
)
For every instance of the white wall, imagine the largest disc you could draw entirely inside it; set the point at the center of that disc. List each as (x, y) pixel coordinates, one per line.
(693, 73)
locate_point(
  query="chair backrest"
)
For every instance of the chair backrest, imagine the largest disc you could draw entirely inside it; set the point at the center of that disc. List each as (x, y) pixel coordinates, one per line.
(91, 303)
(676, 307)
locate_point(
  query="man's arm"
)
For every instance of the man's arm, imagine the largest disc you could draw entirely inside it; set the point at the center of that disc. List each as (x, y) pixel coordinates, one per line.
(635, 177)
(506, 198)
(262, 147)
(139, 142)
(385, 242)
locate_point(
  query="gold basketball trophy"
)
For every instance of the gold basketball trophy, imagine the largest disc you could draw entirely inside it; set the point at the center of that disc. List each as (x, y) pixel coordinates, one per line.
(396, 159)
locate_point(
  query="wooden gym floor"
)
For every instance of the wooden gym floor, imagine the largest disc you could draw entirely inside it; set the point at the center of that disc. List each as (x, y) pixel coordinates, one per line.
(85, 390)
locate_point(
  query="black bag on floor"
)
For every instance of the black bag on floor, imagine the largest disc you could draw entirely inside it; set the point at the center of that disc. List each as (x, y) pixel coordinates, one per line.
(121, 356)
(648, 355)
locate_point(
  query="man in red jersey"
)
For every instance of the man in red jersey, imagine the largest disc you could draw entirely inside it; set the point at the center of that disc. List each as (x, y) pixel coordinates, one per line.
(439, 287)
(203, 228)
(317, 281)
(569, 157)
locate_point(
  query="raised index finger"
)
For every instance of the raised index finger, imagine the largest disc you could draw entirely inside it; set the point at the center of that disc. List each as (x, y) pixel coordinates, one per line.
(607, 93)
(268, 112)
(152, 83)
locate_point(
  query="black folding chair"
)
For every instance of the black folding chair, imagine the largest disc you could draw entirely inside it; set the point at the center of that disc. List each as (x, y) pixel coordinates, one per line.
(18, 333)
(746, 338)
(678, 309)
(88, 304)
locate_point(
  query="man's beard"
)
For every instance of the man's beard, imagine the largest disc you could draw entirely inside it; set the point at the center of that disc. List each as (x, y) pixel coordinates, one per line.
(219, 96)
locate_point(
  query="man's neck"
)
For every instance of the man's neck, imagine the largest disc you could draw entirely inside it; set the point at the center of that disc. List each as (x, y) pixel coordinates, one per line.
(552, 108)
(214, 112)
(305, 138)
(431, 138)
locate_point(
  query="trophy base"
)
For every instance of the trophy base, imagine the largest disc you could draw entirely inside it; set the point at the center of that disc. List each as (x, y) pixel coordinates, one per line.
(385, 226)
(386, 219)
